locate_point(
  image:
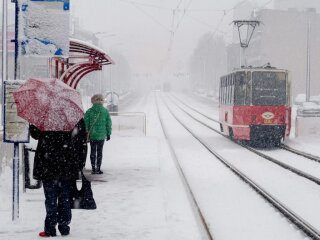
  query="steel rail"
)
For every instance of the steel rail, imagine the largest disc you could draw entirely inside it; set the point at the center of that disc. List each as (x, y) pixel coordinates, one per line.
(283, 146)
(197, 111)
(305, 227)
(303, 154)
(279, 163)
(197, 211)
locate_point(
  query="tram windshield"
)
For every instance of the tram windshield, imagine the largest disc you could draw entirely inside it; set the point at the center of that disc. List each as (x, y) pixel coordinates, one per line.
(269, 88)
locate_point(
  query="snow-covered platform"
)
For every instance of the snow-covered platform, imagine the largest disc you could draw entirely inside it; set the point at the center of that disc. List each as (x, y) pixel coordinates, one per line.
(139, 196)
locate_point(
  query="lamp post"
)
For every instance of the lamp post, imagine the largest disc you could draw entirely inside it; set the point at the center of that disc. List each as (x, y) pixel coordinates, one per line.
(308, 60)
(245, 30)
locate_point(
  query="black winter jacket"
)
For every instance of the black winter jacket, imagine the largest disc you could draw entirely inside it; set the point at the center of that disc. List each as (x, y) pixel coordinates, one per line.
(59, 155)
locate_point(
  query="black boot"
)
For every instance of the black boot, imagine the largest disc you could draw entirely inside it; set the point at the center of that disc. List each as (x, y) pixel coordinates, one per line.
(99, 172)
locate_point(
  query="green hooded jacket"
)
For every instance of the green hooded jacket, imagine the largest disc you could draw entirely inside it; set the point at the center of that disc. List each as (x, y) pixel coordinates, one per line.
(99, 125)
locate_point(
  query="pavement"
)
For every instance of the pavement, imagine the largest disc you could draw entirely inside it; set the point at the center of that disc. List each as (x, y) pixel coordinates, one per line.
(139, 196)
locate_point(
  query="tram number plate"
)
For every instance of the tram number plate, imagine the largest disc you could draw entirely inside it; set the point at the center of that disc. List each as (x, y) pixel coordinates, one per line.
(267, 121)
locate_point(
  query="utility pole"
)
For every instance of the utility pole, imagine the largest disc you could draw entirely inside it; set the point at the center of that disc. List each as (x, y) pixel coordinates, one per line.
(4, 53)
(308, 60)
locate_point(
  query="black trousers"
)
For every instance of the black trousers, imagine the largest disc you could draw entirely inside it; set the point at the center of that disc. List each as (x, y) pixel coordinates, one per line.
(58, 208)
(96, 154)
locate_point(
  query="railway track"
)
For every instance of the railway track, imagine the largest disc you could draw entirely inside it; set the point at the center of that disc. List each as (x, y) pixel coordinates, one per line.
(204, 226)
(304, 154)
(300, 223)
(253, 150)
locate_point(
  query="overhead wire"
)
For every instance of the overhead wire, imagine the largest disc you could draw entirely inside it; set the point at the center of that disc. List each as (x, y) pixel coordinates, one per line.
(233, 8)
(151, 17)
(184, 13)
(147, 5)
(187, 9)
(200, 21)
(266, 4)
(173, 26)
(259, 8)
(170, 9)
(178, 6)
(172, 23)
(176, 27)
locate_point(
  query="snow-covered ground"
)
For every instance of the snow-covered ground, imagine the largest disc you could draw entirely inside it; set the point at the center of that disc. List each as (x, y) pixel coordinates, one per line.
(140, 195)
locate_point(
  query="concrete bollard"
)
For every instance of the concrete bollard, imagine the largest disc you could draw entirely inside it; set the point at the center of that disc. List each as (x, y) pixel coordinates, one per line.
(307, 126)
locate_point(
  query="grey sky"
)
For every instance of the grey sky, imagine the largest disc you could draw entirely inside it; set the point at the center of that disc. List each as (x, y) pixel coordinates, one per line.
(143, 28)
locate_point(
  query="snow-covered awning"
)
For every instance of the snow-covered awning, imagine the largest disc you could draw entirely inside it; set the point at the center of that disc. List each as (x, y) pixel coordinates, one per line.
(83, 58)
(78, 46)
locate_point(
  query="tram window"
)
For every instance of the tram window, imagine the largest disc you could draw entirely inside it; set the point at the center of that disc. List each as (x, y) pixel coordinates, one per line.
(227, 90)
(232, 94)
(233, 89)
(229, 94)
(240, 89)
(269, 88)
(222, 94)
(248, 90)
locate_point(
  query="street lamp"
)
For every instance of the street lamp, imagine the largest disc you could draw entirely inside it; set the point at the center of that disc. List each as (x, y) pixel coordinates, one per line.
(245, 30)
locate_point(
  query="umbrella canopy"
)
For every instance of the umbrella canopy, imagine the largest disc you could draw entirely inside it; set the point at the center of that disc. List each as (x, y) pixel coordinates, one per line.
(49, 104)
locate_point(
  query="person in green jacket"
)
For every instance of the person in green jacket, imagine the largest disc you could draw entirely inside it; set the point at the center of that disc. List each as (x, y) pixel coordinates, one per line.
(98, 126)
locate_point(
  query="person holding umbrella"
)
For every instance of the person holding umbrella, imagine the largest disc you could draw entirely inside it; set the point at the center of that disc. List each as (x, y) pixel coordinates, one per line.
(58, 159)
(98, 124)
(55, 113)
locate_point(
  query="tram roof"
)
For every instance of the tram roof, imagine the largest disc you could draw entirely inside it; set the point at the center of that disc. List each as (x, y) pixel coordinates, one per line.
(265, 69)
(258, 69)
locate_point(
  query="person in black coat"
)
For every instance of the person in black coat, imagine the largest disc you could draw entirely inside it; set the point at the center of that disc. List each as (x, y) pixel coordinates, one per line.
(58, 159)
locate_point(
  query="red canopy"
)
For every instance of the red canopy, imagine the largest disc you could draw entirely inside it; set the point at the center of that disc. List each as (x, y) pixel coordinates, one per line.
(83, 59)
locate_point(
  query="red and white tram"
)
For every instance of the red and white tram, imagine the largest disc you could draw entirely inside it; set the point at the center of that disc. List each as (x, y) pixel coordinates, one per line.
(255, 105)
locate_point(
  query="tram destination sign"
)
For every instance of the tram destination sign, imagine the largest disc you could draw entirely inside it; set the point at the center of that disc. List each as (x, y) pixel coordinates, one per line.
(16, 129)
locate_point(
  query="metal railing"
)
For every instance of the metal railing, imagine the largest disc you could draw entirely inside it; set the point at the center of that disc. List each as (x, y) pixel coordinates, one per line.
(129, 122)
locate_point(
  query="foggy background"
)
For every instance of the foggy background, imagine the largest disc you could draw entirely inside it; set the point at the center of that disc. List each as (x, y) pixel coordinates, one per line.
(189, 44)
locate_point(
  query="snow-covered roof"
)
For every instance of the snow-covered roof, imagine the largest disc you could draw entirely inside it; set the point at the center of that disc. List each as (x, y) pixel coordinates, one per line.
(79, 46)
